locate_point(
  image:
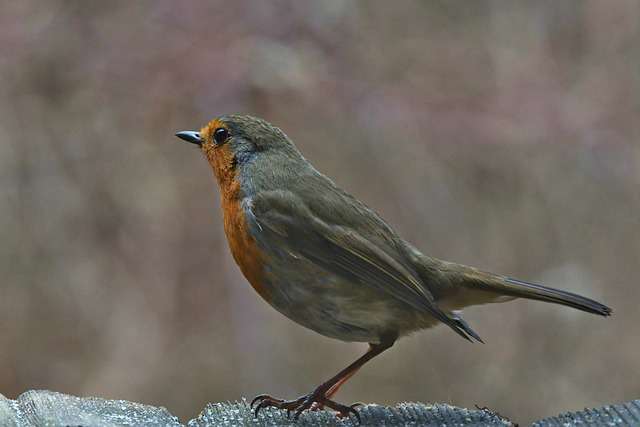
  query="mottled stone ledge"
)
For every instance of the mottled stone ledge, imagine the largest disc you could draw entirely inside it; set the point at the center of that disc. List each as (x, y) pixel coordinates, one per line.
(47, 408)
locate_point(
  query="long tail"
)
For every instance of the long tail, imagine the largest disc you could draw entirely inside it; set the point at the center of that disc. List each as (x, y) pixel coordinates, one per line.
(499, 285)
(518, 288)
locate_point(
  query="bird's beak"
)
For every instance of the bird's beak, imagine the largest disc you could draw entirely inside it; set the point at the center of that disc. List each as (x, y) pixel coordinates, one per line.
(190, 136)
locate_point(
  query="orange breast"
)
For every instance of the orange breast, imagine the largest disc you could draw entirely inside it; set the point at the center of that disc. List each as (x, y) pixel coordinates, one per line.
(243, 246)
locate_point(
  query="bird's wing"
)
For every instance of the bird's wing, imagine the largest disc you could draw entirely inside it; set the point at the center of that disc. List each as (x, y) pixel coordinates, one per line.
(344, 251)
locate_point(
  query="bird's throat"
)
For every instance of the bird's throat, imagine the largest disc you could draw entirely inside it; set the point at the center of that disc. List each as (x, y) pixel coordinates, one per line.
(224, 166)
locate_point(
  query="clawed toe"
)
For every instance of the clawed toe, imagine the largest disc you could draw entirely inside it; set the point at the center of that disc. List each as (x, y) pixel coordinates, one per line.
(312, 402)
(259, 398)
(265, 401)
(343, 411)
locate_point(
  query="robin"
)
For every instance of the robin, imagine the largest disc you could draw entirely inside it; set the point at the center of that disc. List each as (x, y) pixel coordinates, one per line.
(327, 261)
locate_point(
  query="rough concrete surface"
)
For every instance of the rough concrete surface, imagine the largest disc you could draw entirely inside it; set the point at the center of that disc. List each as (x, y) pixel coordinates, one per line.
(48, 408)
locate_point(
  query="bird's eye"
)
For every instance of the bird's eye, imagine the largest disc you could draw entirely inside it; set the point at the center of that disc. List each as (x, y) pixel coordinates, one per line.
(220, 135)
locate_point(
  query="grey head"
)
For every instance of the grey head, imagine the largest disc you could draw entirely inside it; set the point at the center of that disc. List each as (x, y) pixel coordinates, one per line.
(248, 149)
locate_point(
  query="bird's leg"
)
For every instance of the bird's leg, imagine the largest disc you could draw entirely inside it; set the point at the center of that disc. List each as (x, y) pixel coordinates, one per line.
(320, 397)
(333, 390)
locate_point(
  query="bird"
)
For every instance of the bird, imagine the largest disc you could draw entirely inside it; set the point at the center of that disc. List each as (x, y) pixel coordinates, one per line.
(327, 261)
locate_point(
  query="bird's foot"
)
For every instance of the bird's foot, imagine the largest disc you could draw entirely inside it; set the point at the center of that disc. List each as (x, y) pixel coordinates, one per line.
(320, 406)
(314, 401)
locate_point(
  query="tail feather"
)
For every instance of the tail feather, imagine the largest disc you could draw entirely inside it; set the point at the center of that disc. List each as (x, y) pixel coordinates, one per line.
(519, 288)
(488, 288)
(462, 324)
(496, 286)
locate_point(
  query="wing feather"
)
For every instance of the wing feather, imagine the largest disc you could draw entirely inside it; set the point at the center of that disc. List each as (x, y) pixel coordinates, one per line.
(344, 251)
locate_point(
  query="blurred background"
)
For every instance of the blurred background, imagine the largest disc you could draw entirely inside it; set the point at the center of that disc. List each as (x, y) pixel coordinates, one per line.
(503, 135)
